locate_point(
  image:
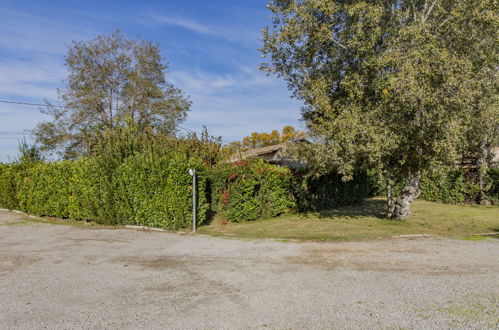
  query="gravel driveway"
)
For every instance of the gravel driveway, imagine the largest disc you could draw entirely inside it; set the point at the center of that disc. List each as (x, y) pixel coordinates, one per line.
(57, 276)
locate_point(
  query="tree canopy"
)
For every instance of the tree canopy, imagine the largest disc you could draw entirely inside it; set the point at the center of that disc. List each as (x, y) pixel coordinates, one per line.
(397, 85)
(113, 81)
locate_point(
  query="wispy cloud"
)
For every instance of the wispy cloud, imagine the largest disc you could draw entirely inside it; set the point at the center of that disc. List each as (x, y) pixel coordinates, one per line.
(229, 33)
(235, 105)
(35, 78)
(23, 32)
(185, 23)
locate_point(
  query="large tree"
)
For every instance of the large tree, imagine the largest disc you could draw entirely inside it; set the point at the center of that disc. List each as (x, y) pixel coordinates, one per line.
(389, 84)
(113, 82)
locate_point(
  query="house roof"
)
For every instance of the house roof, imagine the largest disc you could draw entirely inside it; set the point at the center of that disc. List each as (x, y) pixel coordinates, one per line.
(263, 150)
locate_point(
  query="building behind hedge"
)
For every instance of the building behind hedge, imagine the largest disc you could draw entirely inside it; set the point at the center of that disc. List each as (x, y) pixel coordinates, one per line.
(276, 154)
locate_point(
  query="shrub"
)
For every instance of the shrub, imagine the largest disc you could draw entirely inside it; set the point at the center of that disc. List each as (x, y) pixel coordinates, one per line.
(147, 188)
(493, 185)
(448, 186)
(9, 177)
(90, 185)
(157, 191)
(330, 191)
(44, 189)
(251, 190)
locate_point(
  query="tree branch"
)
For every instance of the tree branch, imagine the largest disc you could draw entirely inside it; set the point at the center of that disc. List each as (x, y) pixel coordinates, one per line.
(338, 43)
(425, 16)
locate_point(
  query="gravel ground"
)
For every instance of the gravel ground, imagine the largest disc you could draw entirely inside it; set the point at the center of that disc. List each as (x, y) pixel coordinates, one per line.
(62, 277)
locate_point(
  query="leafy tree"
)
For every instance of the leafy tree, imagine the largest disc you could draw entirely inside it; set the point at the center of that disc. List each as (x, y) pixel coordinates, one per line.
(113, 81)
(389, 84)
(28, 154)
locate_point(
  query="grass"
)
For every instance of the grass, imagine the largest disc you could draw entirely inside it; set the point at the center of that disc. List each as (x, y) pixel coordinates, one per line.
(367, 221)
(53, 221)
(472, 307)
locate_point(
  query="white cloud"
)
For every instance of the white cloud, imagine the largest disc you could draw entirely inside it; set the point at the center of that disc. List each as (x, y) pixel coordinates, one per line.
(33, 78)
(184, 23)
(229, 33)
(23, 32)
(235, 105)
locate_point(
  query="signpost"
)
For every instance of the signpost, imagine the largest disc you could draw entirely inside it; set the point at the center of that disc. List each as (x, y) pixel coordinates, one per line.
(192, 172)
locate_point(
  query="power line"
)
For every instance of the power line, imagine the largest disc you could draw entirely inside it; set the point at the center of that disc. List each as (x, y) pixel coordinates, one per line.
(62, 106)
(35, 104)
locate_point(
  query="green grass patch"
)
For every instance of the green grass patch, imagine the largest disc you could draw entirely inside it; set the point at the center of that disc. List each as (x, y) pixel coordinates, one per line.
(366, 221)
(475, 238)
(473, 307)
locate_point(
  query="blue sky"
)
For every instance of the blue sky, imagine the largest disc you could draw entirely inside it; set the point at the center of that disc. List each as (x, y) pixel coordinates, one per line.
(211, 46)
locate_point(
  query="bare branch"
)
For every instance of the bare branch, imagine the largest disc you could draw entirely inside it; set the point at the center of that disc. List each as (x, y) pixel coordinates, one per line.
(338, 43)
(425, 16)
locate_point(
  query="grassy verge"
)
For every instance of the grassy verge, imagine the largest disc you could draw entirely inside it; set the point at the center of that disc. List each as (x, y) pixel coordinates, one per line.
(366, 221)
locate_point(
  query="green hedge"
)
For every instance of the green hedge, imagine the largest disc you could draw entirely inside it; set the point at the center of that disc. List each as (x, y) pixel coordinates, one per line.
(251, 190)
(330, 191)
(448, 187)
(145, 189)
(152, 188)
(493, 185)
(453, 186)
(169, 203)
(9, 178)
(45, 189)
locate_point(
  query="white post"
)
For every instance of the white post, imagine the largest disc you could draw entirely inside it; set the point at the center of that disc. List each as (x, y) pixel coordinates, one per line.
(192, 172)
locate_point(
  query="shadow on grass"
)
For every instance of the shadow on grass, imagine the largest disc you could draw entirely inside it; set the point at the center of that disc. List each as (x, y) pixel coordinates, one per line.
(369, 208)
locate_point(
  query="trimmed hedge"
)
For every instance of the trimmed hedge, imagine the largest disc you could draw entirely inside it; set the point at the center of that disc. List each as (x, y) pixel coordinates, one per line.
(330, 191)
(9, 177)
(453, 186)
(45, 189)
(448, 187)
(145, 189)
(157, 192)
(153, 188)
(493, 191)
(251, 190)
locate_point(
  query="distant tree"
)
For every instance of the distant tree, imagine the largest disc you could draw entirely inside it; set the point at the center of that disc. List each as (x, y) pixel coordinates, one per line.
(258, 140)
(113, 81)
(28, 153)
(395, 85)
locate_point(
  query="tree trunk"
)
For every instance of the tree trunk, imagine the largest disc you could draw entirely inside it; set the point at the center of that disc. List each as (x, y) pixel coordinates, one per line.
(408, 195)
(389, 198)
(482, 171)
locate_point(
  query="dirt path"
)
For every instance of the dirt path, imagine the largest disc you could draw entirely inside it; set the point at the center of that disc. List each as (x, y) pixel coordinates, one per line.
(54, 276)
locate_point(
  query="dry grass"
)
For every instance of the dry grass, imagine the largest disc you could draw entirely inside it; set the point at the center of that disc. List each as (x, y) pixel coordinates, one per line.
(367, 221)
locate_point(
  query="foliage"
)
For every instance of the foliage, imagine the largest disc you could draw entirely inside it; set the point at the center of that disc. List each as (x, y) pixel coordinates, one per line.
(45, 190)
(157, 191)
(251, 190)
(315, 193)
(454, 185)
(113, 81)
(389, 84)
(493, 191)
(151, 188)
(9, 175)
(448, 187)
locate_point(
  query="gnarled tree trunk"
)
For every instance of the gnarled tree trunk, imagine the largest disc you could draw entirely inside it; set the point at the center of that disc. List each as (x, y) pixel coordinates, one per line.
(408, 195)
(389, 198)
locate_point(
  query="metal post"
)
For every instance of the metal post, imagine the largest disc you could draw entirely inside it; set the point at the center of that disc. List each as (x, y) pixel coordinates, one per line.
(194, 211)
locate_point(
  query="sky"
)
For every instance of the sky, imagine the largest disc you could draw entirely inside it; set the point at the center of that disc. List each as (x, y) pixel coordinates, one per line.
(211, 48)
